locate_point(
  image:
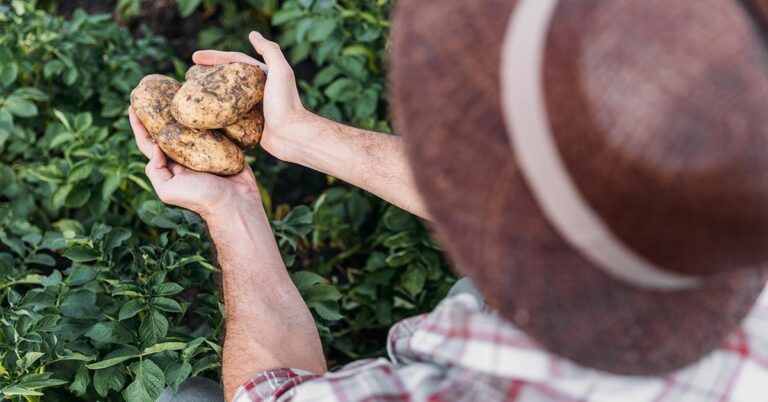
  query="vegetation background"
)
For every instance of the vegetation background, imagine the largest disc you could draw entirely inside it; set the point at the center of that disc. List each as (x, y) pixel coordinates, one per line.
(106, 293)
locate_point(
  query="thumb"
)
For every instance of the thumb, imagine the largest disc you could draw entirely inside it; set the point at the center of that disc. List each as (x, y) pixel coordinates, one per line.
(270, 51)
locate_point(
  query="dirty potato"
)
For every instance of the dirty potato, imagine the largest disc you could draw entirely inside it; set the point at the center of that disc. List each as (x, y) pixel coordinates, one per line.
(151, 100)
(202, 150)
(246, 132)
(196, 71)
(219, 97)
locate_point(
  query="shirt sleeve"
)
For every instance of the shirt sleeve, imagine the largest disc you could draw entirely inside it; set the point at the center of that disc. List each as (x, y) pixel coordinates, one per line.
(270, 385)
(366, 380)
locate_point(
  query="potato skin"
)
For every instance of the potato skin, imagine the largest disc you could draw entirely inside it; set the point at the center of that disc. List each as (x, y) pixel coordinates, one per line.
(246, 132)
(218, 96)
(202, 150)
(196, 71)
(151, 100)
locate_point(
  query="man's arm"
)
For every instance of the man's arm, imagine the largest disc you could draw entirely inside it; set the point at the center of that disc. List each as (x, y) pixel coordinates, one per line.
(372, 161)
(268, 324)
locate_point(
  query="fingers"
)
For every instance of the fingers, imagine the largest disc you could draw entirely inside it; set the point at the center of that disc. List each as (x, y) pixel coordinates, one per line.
(247, 173)
(157, 171)
(177, 169)
(143, 139)
(211, 57)
(270, 51)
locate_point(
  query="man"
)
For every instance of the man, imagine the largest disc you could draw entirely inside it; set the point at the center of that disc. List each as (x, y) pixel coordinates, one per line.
(596, 167)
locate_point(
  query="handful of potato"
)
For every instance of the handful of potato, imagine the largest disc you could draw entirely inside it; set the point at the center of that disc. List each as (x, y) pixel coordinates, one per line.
(206, 123)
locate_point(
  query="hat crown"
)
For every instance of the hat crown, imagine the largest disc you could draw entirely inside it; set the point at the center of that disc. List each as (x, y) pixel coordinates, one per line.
(658, 110)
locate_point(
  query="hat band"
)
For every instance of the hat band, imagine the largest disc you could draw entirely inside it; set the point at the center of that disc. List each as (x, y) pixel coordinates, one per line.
(528, 128)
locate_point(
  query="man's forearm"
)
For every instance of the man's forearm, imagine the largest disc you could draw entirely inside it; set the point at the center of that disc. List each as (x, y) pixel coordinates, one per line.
(373, 161)
(267, 323)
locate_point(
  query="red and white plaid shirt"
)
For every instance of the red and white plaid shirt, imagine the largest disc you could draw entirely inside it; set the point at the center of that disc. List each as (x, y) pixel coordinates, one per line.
(461, 353)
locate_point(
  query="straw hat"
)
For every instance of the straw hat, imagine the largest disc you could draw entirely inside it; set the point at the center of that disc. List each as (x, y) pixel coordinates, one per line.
(599, 167)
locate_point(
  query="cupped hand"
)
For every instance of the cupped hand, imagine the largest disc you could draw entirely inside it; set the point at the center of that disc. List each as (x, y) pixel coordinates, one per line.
(284, 115)
(175, 184)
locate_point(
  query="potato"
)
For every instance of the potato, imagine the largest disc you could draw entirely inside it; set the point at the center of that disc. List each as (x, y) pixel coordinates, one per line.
(246, 132)
(196, 70)
(202, 150)
(218, 96)
(151, 100)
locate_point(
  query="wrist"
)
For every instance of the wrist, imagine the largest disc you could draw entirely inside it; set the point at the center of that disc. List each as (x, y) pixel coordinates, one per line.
(229, 206)
(296, 139)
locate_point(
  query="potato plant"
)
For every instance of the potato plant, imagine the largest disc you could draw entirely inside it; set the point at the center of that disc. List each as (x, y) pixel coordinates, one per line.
(106, 293)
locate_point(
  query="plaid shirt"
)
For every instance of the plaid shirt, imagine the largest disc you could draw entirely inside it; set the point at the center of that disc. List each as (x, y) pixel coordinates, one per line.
(461, 353)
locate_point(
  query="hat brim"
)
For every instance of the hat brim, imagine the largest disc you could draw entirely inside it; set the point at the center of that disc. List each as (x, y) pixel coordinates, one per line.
(446, 97)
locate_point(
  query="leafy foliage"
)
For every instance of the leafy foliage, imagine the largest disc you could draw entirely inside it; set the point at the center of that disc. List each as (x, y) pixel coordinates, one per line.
(106, 293)
(346, 41)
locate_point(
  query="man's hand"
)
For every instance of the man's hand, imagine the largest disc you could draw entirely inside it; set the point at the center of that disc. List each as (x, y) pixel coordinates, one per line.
(203, 193)
(372, 161)
(284, 115)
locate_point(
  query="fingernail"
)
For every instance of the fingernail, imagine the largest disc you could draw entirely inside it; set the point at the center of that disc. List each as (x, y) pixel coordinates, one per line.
(256, 35)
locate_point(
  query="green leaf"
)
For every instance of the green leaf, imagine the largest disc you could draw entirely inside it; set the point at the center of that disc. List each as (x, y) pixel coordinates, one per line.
(401, 258)
(68, 355)
(192, 347)
(31, 93)
(80, 384)
(53, 67)
(115, 357)
(77, 197)
(13, 390)
(322, 29)
(70, 77)
(80, 171)
(41, 259)
(100, 332)
(167, 289)
(116, 238)
(326, 75)
(328, 310)
(148, 382)
(81, 254)
(83, 121)
(343, 89)
(62, 118)
(206, 363)
(20, 106)
(165, 346)
(176, 373)
(30, 358)
(111, 183)
(80, 303)
(166, 304)
(286, 15)
(109, 378)
(130, 309)
(109, 332)
(8, 74)
(322, 293)
(60, 195)
(37, 381)
(153, 327)
(413, 280)
(305, 279)
(79, 275)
